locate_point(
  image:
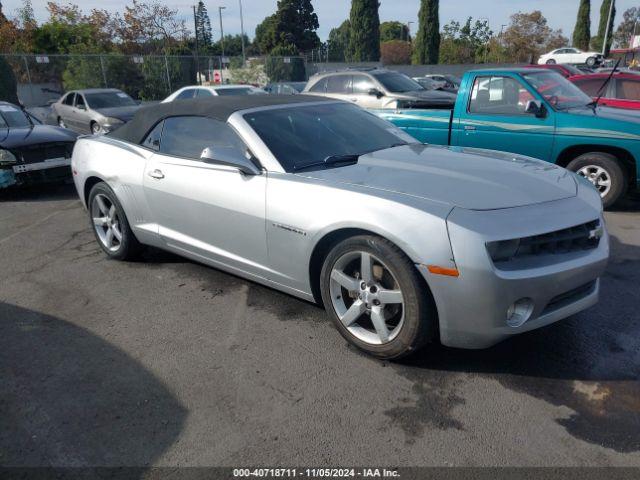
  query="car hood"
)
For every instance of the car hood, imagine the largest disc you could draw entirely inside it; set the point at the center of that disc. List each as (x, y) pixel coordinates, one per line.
(473, 179)
(122, 113)
(613, 123)
(38, 134)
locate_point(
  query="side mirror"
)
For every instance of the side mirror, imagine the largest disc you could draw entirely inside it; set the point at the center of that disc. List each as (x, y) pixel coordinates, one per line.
(230, 157)
(375, 92)
(81, 107)
(535, 107)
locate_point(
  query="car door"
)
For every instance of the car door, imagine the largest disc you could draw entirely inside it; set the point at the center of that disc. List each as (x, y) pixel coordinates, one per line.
(65, 109)
(495, 118)
(361, 86)
(211, 212)
(339, 86)
(81, 114)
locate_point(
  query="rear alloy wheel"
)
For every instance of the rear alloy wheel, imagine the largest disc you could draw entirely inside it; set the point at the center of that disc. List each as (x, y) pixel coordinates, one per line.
(604, 172)
(96, 129)
(110, 224)
(61, 123)
(551, 61)
(376, 298)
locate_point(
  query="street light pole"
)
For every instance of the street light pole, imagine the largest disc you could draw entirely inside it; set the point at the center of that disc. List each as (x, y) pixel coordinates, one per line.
(195, 30)
(409, 30)
(221, 43)
(606, 34)
(244, 59)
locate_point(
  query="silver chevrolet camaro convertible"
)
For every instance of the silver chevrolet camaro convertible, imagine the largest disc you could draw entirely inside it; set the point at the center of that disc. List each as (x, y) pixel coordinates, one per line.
(403, 243)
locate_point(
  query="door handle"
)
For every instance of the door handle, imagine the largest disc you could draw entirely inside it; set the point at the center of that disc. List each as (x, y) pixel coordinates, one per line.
(469, 128)
(156, 174)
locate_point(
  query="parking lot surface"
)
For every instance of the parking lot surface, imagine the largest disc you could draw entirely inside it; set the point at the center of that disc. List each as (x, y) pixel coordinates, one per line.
(167, 362)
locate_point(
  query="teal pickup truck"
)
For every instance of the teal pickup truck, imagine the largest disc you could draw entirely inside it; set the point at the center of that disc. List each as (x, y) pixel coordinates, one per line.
(540, 114)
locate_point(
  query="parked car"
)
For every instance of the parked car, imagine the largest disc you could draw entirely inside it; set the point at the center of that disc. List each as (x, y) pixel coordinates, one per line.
(573, 56)
(285, 88)
(620, 70)
(564, 69)
(377, 88)
(540, 114)
(203, 91)
(30, 152)
(403, 243)
(94, 110)
(622, 91)
(448, 83)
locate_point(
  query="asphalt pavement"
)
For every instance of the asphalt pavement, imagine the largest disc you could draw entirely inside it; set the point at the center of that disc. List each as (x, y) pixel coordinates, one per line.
(167, 362)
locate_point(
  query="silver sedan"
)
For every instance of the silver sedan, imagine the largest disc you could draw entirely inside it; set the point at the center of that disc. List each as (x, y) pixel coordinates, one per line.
(403, 243)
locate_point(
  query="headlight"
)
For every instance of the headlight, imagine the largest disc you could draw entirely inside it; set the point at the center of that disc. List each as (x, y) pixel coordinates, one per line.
(111, 124)
(503, 250)
(7, 158)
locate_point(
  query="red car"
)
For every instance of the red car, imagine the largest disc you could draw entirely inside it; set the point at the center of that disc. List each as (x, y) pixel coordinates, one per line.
(623, 90)
(563, 69)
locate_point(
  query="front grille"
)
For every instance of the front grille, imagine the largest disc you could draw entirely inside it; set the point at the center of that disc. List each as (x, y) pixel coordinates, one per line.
(580, 237)
(40, 153)
(569, 297)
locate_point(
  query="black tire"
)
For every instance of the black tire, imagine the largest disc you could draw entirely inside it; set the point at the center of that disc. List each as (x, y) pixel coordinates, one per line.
(129, 248)
(93, 129)
(420, 324)
(551, 61)
(61, 123)
(613, 169)
(591, 61)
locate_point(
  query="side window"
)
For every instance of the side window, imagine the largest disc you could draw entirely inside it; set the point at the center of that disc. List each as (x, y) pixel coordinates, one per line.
(590, 87)
(203, 92)
(362, 84)
(79, 100)
(188, 93)
(152, 141)
(320, 86)
(69, 99)
(339, 84)
(498, 96)
(187, 137)
(628, 89)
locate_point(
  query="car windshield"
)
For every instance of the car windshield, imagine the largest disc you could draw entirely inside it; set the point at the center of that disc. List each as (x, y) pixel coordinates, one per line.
(571, 69)
(309, 134)
(109, 100)
(557, 90)
(454, 80)
(13, 117)
(397, 82)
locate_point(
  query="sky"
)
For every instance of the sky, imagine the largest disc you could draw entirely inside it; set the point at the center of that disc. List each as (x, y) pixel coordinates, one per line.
(331, 13)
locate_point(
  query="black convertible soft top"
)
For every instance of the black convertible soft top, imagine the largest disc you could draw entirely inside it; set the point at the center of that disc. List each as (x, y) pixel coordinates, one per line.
(219, 108)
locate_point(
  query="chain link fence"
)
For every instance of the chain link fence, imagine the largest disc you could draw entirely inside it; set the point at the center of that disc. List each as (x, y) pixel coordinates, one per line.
(43, 78)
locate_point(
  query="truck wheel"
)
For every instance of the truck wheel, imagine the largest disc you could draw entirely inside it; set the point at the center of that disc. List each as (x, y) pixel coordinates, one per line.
(551, 61)
(605, 172)
(591, 61)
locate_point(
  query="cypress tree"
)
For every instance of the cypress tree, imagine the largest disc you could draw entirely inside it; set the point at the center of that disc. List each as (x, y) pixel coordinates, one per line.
(602, 27)
(582, 32)
(427, 48)
(364, 40)
(203, 25)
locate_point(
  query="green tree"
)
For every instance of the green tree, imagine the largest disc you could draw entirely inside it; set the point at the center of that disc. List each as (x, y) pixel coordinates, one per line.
(338, 42)
(624, 33)
(529, 35)
(284, 65)
(468, 43)
(395, 52)
(294, 24)
(364, 38)
(265, 38)
(597, 41)
(232, 46)
(8, 85)
(203, 26)
(582, 31)
(394, 31)
(427, 47)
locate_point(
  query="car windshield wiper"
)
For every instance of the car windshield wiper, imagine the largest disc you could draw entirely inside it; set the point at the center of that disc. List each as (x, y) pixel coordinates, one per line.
(330, 160)
(601, 92)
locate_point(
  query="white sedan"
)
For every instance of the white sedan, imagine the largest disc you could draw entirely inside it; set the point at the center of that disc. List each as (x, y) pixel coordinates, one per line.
(572, 56)
(203, 91)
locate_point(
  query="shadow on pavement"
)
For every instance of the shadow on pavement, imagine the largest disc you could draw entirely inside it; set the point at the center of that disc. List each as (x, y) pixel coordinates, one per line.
(39, 193)
(69, 398)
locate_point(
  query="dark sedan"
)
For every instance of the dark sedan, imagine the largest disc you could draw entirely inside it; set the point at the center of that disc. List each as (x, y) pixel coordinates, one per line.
(32, 153)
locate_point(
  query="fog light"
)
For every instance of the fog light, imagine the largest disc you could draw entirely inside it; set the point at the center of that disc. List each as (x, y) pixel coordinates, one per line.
(519, 312)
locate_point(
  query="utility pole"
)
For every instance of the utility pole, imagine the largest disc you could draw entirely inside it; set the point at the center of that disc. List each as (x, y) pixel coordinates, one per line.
(409, 31)
(221, 43)
(606, 35)
(195, 29)
(244, 59)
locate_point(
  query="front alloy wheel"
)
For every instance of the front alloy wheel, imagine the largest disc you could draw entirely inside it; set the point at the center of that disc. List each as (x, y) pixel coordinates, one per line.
(598, 176)
(96, 129)
(376, 297)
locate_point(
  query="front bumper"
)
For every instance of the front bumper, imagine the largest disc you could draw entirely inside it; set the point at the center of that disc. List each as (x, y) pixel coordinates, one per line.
(473, 307)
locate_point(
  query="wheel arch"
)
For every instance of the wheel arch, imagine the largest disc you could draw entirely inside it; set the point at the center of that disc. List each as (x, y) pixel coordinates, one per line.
(626, 159)
(89, 183)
